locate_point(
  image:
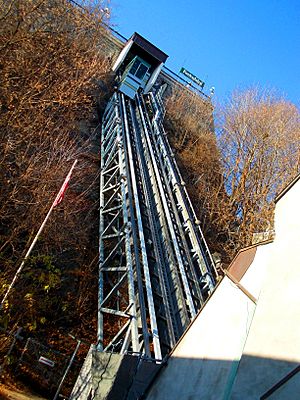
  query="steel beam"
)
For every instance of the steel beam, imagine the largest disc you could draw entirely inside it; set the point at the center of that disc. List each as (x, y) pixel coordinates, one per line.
(155, 269)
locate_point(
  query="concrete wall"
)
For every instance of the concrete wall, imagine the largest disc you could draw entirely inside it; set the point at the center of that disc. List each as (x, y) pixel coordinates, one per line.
(83, 384)
(203, 364)
(275, 332)
(290, 390)
(256, 274)
(234, 350)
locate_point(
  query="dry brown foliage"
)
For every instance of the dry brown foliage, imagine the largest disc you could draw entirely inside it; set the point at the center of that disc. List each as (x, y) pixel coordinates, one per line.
(233, 176)
(53, 70)
(259, 141)
(189, 121)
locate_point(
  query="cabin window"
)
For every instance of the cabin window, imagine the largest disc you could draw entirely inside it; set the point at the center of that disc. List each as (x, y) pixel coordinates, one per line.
(134, 67)
(141, 72)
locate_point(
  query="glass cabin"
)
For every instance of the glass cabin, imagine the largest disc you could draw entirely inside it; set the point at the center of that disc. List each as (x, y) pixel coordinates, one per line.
(134, 77)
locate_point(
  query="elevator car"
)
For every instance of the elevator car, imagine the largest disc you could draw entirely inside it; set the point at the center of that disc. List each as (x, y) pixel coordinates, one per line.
(138, 65)
(135, 76)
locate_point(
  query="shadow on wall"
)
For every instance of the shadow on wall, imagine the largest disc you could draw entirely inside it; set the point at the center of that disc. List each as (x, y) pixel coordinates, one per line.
(252, 378)
(119, 377)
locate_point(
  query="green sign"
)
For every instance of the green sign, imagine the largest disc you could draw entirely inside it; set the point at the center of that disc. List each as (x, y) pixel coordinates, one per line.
(192, 77)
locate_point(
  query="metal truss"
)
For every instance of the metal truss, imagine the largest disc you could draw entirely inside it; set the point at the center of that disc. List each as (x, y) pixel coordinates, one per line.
(155, 267)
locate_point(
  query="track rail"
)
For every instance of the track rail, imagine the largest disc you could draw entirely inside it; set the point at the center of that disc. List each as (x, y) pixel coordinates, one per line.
(155, 269)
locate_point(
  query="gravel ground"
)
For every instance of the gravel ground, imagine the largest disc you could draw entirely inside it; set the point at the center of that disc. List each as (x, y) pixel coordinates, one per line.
(14, 394)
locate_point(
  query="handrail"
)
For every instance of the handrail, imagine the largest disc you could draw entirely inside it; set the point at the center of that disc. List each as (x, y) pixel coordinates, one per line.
(278, 385)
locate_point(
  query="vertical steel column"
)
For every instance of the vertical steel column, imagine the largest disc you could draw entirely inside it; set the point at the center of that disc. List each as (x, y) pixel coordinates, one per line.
(187, 290)
(155, 269)
(147, 188)
(115, 258)
(150, 303)
(193, 230)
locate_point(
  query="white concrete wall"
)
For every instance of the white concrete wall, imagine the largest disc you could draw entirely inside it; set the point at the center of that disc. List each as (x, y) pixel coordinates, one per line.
(83, 384)
(203, 364)
(266, 339)
(255, 275)
(287, 217)
(274, 337)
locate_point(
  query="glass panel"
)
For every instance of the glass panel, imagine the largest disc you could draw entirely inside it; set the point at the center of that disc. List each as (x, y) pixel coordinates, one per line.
(134, 67)
(141, 71)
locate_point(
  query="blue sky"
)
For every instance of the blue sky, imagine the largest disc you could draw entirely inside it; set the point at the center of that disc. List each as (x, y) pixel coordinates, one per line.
(228, 44)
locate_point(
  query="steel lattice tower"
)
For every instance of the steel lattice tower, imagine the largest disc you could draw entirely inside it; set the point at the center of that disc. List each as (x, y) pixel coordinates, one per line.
(155, 269)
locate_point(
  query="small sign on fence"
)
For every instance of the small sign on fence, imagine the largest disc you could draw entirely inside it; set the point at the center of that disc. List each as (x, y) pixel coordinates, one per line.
(46, 361)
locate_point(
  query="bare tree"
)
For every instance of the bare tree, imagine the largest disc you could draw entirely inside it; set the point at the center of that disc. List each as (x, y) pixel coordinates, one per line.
(234, 173)
(53, 70)
(259, 142)
(189, 122)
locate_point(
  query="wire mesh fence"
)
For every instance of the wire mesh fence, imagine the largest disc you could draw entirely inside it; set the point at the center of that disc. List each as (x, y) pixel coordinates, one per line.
(40, 366)
(39, 363)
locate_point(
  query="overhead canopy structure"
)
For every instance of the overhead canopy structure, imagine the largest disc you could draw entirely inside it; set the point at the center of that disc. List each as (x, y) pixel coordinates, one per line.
(141, 47)
(137, 45)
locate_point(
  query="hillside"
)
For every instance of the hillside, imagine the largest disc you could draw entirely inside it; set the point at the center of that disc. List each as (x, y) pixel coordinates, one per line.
(54, 82)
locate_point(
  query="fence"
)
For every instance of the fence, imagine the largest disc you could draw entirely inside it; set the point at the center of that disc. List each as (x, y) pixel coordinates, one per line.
(47, 370)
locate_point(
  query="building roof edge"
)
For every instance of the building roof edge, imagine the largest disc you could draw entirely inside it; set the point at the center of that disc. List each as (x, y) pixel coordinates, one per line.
(287, 188)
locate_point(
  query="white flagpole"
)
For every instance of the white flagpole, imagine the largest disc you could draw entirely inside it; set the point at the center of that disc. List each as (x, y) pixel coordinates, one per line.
(56, 201)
